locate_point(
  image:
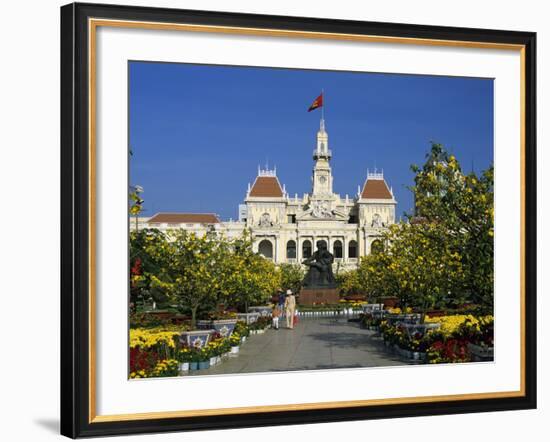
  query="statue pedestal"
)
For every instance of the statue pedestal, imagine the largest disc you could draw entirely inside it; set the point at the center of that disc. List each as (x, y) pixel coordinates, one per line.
(310, 296)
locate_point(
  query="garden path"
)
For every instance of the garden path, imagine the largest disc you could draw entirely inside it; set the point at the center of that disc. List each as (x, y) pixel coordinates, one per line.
(312, 344)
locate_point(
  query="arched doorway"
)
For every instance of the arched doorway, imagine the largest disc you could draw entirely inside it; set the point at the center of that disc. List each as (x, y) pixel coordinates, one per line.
(291, 249)
(306, 249)
(337, 249)
(352, 249)
(265, 248)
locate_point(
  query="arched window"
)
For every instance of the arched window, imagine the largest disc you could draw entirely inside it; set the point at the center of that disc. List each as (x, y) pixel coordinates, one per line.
(337, 249)
(376, 246)
(265, 248)
(306, 249)
(291, 249)
(352, 249)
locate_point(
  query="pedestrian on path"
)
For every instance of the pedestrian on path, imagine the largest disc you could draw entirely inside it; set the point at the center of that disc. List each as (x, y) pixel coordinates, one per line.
(281, 300)
(290, 308)
(275, 317)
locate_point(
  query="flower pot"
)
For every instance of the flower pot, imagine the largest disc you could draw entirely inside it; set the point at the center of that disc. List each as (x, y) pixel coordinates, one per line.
(193, 366)
(223, 326)
(212, 361)
(235, 350)
(203, 365)
(479, 353)
(184, 366)
(248, 318)
(243, 339)
(196, 338)
(263, 310)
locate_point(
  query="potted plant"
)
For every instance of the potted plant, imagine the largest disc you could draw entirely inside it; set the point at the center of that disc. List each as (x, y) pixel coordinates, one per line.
(235, 341)
(184, 357)
(203, 359)
(194, 357)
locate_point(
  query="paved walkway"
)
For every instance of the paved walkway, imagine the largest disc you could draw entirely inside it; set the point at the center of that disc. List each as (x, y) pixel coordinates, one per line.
(312, 344)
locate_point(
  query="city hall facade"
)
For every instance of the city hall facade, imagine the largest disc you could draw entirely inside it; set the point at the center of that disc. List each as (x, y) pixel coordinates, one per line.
(287, 228)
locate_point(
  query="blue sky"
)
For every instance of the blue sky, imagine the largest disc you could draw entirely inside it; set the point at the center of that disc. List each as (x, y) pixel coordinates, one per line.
(198, 133)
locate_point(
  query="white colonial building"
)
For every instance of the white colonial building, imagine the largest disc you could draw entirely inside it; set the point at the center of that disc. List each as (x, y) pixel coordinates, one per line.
(286, 228)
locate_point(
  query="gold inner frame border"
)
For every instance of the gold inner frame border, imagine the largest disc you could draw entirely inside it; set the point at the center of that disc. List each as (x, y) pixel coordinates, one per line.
(93, 24)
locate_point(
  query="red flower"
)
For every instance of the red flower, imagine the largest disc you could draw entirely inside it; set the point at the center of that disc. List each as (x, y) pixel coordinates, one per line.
(136, 268)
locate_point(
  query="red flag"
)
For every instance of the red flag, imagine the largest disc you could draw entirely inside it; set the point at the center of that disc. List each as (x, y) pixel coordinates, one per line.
(317, 103)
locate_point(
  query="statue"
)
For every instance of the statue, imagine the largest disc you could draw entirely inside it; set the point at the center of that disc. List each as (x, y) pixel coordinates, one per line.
(320, 273)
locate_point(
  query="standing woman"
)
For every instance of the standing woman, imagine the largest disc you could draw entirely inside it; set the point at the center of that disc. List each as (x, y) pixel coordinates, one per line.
(290, 308)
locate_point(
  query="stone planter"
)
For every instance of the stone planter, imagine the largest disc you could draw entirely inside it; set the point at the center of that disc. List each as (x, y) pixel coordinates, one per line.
(412, 329)
(184, 367)
(409, 354)
(370, 308)
(409, 318)
(213, 361)
(481, 354)
(203, 365)
(263, 310)
(248, 318)
(420, 356)
(223, 326)
(196, 338)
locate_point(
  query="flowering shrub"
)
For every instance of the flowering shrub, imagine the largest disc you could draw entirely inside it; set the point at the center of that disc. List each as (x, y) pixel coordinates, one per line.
(447, 344)
(234, 340)
(368, 320)
(164, 368)
(261, 323)
(241, 329)
(148, 347)
(451, 350)
(468, 325)
(143, 360)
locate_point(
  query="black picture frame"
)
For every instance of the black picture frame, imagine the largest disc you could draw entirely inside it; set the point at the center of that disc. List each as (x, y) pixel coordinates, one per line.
(76, 418)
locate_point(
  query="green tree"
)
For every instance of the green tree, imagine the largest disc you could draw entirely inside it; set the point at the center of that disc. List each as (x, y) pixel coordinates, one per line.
(250, 278)
(349, 283)
(193, 271)
(463, 207)
(145, 262)
(292, 276)
(426, 267)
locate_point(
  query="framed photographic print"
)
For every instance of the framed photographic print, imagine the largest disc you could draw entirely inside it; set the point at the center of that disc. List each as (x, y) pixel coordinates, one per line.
(274, 220)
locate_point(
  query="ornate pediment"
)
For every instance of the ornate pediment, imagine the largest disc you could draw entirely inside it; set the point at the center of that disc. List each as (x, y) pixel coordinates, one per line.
(322, 210)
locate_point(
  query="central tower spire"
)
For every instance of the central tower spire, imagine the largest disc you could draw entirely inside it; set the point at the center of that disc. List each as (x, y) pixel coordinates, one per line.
(322, 174)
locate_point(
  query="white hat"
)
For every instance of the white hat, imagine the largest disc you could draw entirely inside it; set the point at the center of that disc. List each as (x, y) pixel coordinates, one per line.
(289, 292)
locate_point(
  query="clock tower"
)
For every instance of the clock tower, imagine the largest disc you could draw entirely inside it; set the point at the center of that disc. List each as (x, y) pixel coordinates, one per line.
(322, 174)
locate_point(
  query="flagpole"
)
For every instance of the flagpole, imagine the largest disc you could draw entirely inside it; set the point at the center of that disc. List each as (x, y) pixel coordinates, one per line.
(323, 106)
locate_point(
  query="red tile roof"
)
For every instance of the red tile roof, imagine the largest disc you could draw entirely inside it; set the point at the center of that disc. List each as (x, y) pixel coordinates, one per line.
(179, 218)
(266, 186)
(376, 189)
